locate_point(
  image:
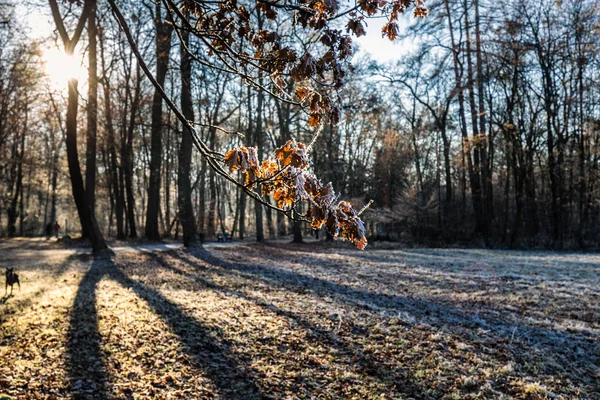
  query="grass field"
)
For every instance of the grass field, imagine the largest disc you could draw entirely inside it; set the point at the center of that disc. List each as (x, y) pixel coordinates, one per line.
(305, 321)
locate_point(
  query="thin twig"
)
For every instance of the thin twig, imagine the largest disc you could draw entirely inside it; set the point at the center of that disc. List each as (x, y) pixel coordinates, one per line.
(362, 210)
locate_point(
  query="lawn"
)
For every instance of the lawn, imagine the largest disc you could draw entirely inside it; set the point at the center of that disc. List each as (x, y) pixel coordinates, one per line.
(305, 321)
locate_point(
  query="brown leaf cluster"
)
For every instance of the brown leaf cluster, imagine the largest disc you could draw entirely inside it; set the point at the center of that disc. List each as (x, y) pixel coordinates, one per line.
(228, 23)
(244, 159)
(287, 180)
(293, 154)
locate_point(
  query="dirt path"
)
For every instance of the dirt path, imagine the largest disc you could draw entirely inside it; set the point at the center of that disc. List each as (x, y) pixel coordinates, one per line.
(29, 252)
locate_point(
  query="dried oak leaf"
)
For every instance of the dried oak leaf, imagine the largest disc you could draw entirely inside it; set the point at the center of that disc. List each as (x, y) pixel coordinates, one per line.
(421, 12)
(390, 30)
(288, 187)
(355, 26)
(369, 6)
(353, 229)
(302, 92)
(252, 175)
(312, 184)
(242, 158)
(293, 154)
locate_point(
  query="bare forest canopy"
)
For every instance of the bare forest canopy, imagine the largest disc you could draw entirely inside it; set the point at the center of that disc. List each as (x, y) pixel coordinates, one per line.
(486, 131)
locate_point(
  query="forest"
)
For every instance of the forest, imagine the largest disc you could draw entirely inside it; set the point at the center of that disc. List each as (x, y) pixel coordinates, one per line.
(483, 131)
(300, 199)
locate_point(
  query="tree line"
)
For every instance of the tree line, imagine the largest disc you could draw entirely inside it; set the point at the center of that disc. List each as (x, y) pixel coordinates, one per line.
(486, 132)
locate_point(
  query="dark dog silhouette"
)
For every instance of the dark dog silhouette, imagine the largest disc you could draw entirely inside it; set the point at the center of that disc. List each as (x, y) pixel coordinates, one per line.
(11, 279)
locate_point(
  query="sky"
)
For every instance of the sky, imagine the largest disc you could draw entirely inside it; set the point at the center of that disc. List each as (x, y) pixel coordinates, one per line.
(379, 48)
(39, 25)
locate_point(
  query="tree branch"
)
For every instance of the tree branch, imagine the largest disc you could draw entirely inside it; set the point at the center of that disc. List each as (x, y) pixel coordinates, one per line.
(198, 143)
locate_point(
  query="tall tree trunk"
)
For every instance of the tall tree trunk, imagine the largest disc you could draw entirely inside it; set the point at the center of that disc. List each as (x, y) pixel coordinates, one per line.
(486, 184)
(475, 172)
(466, 152)
(270, 222)
(20, 175)
(186, 210)
(519, 179)
(167, 180)
(117, 197)
(242, 216)
(86, 215)
(447, 165)
(17, 173)
(506, 219)
(92, 110)
(258, 209)
(582, 181)
(212, 205)
(297, 229)
(163, 48)
(202, 197)
(89, 225)
(127, 157)
(54, 184)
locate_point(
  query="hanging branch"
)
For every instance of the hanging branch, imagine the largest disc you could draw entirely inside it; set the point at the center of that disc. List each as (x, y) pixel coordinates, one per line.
(286, 178)
(198, 143)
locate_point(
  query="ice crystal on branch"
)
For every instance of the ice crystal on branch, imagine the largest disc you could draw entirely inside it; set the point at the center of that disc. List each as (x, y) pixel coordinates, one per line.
(286, 179)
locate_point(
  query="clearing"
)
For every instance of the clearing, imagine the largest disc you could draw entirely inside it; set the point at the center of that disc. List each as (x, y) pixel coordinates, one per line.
(303, 321)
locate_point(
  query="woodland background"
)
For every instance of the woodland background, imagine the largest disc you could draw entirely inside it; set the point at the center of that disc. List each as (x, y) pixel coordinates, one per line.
(485, 131)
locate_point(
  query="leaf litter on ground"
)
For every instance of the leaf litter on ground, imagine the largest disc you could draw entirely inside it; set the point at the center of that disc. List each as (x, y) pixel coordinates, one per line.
(306, 321)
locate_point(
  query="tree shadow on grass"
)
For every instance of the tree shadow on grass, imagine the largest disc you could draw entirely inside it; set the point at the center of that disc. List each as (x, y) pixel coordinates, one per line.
(86, 369)
(426, 309)
(87, 373)
(365, 363)
(554, 344)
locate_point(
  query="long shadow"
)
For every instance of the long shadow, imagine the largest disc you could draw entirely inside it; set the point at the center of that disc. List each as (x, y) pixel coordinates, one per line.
(428, 258)
(210, 353)
(441, 316)
(366, 363)
(66, 264)
(379, 301)
(275, 254)
(86, 369)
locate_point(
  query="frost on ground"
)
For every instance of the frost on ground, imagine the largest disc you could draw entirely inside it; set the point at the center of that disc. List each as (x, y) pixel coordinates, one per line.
(306, 321)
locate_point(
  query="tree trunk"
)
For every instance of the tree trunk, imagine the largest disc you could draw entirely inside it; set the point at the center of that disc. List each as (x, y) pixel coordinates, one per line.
(163, 48)
(258, 209)
(112, 151)
(447, 166)
(86, 215)
(212, 205)
(92, 111)
(16, 174)
(186, 210)
(270, 222)
(297, 230)
(20, 176)
(54, 184)
(475, 171)
(127, 157)
(89, 225)
(486, 184)
(202, 197)
(242, 217)
(466, 153)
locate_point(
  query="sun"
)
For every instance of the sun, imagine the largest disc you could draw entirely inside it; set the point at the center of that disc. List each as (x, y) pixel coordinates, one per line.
(61, 67)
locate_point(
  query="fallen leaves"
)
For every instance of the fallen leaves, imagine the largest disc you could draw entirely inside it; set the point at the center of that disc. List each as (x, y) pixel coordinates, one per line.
(303, 322)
